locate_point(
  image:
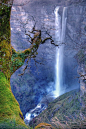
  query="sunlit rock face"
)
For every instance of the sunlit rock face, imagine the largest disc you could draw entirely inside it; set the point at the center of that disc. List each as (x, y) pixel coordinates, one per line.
(39, 78)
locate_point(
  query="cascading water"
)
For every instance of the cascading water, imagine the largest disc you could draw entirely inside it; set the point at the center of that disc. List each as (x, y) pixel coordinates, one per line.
(59, 40)
(60, 28)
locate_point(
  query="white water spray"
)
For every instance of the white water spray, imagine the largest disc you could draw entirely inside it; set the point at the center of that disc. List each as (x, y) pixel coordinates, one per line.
(60, 28)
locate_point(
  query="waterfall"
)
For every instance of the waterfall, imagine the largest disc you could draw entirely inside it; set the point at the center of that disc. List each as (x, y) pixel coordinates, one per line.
(60, 28)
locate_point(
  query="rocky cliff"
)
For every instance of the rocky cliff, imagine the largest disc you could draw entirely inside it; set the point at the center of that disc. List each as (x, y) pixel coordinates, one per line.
(42, 72)
(64, 112)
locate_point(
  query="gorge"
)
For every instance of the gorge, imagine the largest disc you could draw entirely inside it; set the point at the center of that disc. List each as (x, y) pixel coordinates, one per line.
(60, 41)
(44, 78)
(48, 49)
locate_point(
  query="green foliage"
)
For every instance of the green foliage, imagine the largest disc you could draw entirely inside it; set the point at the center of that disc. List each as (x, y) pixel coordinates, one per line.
(9, 107)
(11, 125)
(17, 61)
(7, 100)
(27, 51)
(5, 50)
(4, 1)
(4, 22)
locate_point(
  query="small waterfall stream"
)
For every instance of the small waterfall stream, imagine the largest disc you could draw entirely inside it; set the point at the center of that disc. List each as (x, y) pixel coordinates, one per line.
(60, 28)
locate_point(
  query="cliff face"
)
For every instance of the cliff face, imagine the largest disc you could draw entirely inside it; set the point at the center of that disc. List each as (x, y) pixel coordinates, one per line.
(77, 33)
(66, 111)
(76, 38)
(42, 74)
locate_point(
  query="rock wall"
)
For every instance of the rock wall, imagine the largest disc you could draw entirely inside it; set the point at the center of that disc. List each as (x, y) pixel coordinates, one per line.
(82, 78)
(41, 75)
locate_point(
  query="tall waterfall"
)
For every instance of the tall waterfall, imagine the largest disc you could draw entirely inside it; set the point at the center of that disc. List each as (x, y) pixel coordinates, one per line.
(60, 27)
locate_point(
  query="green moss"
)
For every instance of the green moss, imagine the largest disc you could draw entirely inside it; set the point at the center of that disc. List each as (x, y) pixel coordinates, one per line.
(11, 125)
(10, 113)
(4, 22)
(7, 100)
(17, 61)
(27, 51)
(9, 107)
(5, 49)
(5, 59)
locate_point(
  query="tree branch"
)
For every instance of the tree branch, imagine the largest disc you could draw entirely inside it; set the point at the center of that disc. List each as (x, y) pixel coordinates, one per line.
(18, 58)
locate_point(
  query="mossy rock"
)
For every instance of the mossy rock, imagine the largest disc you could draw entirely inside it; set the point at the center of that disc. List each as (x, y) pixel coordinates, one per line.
(9, 107)
(44, 126)
(10, 113)
(11, 125)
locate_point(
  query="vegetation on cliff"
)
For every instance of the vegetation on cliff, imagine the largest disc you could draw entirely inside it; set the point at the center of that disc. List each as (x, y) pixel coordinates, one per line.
(10, 114)
(63, 112)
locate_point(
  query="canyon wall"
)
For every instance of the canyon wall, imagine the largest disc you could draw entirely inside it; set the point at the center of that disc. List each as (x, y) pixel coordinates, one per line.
(41, 75)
